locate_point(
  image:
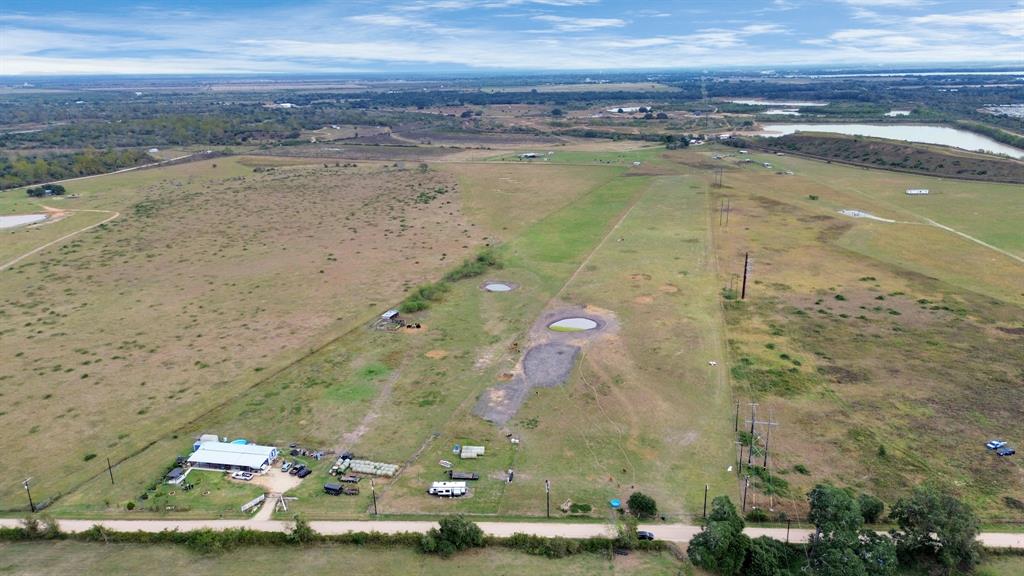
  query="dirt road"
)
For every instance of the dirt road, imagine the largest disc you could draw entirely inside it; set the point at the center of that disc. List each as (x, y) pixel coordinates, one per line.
(680, 533)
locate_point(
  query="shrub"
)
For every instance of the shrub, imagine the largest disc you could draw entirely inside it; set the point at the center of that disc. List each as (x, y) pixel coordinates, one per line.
(642, 505)
(455, 533)
(302, 532)
(757, 515)
(871, 508)
(88, 457)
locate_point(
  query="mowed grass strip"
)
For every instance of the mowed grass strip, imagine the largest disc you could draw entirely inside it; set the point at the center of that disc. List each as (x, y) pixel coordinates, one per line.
(87, 559)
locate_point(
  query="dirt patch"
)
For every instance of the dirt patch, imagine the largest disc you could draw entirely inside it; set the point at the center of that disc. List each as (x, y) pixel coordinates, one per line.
(643, 299)
(1013, 331)
(505, 376)
(276, 482)
(669, 288)
(436, 354)
(548, 361)
(638, 277)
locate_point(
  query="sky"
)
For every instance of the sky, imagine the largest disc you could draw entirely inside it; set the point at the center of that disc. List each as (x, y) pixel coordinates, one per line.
(60, 37)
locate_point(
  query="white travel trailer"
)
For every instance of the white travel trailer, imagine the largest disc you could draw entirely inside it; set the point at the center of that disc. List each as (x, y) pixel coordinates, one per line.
(447, 489)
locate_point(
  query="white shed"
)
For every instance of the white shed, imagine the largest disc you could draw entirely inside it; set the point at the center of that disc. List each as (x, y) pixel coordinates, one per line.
(917, 191)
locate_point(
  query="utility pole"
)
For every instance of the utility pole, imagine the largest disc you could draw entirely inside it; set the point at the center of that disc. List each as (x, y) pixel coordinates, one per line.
(373, 491)
(110, 471)
(547, 492)
(750, 453)
(24, 483)
(788, 524)
(728, 209)
(746, 484)
(746, 269)
(767, 439)
(739, 458)
(705, 503)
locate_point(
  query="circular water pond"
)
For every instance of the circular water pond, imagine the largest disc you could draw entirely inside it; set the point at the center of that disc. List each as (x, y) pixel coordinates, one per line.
(497, 287)
(573, 325)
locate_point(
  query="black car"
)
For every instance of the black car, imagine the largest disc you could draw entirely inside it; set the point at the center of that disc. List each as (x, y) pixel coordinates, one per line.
(1007, 451)
(644, 535)
(296, 470)
(304, 472)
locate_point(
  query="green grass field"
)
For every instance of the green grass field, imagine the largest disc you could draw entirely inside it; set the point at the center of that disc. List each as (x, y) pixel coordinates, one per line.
(856, 332)
(98, 559)
(238, 302)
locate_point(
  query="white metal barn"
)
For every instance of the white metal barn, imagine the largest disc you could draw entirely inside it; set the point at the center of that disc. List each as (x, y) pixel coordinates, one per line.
(917, 191)
(240, 457)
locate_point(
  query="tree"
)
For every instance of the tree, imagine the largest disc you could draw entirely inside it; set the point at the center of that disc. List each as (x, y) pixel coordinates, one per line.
(662, 116)
(768, 557)
(466, 114)
(642, 506)
(455, 533)
(302, 532)
(871, 508)
(838, 546)
(721, 547)
(557, 112)
(936, 525)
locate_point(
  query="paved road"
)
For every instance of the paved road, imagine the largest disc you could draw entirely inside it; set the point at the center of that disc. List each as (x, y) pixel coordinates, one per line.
(680, 533)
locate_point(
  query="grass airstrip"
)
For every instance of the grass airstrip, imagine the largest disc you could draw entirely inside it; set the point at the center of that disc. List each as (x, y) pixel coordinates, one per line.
(237, 299)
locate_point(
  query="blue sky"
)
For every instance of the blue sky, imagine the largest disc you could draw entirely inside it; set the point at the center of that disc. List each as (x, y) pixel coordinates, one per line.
(232, 36)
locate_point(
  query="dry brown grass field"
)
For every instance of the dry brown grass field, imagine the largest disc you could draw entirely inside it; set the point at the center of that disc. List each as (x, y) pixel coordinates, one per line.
(888, 353)
(209, 277)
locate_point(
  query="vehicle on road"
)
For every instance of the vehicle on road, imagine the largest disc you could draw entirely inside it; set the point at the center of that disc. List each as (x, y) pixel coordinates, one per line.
(995, 444)
(645, 535)
(245, 476)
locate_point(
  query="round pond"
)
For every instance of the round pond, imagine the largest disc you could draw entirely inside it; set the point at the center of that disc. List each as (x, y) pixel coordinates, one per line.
(572, 325)
(497, 287)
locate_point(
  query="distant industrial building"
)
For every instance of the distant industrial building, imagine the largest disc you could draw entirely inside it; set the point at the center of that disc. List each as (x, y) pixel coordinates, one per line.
(917, 191)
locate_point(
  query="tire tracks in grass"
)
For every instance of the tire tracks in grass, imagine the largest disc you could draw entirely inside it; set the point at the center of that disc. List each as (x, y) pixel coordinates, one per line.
(114, 216)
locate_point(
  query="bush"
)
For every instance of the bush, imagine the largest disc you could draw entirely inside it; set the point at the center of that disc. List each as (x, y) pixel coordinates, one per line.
(455, 533)
(130, 505)
(642, 506)
(757, 515)
(871, 508)
(302, 532)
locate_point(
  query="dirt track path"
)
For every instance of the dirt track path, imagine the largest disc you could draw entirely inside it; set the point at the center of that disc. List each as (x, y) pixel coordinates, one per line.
(114, 215)
(680, 533)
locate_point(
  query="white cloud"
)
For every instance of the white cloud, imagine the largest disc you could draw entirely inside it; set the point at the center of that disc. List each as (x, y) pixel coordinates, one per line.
(567, 24)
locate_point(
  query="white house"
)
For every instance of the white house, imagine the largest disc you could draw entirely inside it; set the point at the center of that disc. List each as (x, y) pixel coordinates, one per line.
(234, 457)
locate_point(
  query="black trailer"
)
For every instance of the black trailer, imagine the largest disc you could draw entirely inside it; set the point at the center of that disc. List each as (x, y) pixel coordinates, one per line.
(333, 489)
(463, 475)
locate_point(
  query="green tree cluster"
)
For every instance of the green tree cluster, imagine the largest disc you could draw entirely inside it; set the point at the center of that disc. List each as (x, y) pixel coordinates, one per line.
(454, 534)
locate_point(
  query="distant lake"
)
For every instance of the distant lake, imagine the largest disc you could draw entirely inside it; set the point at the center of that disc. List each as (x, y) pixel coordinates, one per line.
(755, 102)
(907, 132)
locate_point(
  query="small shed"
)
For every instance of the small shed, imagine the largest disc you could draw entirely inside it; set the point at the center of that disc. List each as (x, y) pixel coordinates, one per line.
(390, 315)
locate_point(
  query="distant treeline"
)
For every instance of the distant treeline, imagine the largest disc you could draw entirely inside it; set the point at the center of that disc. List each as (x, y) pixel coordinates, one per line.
(878, 153)
(23, 170)
(992, 132)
